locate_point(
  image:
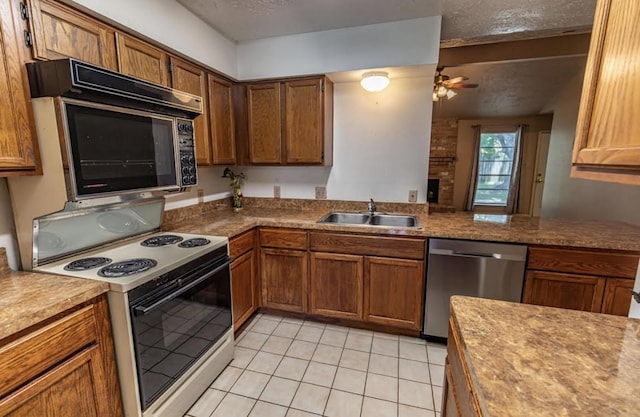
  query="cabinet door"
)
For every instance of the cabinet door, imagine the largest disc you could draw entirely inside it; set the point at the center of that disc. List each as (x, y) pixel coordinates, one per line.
(336, 285)
(60, 32)
(139, 59)
(449, 406)
(617, 296)
(17, 137)
(74, 388)
(244, 288)
(192, 79)
(223, 136)
(394, 291)
(304, 121)
(284, 279)
(572, 291)
(607, 145)
(263, 113)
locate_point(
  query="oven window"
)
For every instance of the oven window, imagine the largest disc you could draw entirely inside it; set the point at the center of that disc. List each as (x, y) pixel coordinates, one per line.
(114, 151)
(171, 337)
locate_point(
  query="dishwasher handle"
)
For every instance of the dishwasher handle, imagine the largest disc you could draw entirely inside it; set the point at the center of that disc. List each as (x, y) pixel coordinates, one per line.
(501, 256)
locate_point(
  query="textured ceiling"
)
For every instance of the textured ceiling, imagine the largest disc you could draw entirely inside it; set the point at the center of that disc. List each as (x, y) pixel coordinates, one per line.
(508, 88)
(242, 20)
(480, 20)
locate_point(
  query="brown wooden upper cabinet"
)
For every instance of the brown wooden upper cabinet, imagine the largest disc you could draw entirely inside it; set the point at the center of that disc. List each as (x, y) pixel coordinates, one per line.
(142, 60)
(265, 128)
(192, 79)
(607, 145)
(19, 150)
(291, 122)
(221, 116)
(60, 32)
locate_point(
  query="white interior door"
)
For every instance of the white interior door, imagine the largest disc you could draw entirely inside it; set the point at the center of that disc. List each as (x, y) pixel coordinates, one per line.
(540, 169)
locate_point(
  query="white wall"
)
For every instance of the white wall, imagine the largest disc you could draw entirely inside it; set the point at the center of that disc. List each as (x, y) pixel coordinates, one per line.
(394, 44)
(171, 24)
(577, 198)
(381, 148)
(7, 232)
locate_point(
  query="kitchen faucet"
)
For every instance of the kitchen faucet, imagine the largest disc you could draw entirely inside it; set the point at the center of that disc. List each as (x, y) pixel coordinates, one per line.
(371, 206)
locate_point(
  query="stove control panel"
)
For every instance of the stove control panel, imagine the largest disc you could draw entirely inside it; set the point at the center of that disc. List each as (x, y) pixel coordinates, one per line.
(187, 149)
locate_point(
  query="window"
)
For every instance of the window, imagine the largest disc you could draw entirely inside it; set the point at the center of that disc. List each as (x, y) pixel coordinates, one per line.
(495, 168)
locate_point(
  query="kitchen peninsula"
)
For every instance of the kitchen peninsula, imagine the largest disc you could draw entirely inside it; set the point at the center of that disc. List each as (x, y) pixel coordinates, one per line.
(507, 359)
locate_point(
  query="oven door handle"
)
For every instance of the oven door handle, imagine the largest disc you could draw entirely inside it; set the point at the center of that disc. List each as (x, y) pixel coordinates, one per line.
(142, 310)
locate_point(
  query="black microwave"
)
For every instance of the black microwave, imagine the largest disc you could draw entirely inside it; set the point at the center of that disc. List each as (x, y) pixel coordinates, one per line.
(120, 135)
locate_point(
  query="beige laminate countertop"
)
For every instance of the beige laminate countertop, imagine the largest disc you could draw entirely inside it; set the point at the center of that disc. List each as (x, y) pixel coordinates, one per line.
(520, 229)
(527, 360)
(27, 298)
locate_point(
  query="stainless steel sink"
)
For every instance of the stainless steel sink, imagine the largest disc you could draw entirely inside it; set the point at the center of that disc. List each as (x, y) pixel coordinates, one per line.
(345, 218)
(393, 220)
(367, 219)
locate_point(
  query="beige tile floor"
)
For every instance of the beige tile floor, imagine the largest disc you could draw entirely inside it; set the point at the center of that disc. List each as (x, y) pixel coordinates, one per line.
(292, 368)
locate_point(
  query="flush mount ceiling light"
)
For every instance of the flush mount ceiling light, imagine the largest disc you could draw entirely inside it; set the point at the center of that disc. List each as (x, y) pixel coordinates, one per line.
(375, 81)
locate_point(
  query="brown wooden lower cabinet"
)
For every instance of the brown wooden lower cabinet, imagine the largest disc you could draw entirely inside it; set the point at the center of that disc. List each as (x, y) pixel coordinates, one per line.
(64, 368)
(458, 396)
(579, 279)
(393, 291)
(336, 285)
(617, 296)
(553, 289)
(244, 288)
(284, 275)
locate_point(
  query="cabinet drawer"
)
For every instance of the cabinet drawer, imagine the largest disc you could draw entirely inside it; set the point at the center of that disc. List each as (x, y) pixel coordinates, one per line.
(242, 243)
(390, 247)
(31, 355)
(583, 262)
(286, 239)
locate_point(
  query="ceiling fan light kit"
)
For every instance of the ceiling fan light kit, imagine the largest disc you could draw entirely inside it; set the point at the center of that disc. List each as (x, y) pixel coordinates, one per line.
(375, 81)
(443, 85)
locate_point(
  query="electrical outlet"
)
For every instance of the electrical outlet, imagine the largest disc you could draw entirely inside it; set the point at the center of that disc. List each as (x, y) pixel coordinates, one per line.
(200, 196)
(321, 193)
(276, 191)
(413, 196)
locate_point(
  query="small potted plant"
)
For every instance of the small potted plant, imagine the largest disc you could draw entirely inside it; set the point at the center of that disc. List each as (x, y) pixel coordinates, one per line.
(236, 180)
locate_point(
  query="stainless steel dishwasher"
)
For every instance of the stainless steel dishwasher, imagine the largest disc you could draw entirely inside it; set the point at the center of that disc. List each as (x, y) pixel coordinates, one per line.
(477, 269)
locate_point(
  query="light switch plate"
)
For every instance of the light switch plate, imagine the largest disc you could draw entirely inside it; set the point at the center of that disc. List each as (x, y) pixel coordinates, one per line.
(321, 193)
(276, 191)
(413, 196)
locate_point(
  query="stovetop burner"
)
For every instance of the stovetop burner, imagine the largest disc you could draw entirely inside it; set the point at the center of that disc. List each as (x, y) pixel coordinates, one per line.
(194, 242)
(128, 267)
(162, 240)
(87, 263)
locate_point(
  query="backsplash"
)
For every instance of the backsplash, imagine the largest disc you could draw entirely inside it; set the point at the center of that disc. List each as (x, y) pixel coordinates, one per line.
(183, 214)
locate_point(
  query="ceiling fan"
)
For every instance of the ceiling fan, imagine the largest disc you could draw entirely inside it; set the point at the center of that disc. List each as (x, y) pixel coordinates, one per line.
(444, 86)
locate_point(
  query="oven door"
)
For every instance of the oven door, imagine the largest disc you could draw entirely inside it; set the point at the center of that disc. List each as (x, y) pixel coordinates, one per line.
(174, 329)
(112, 150)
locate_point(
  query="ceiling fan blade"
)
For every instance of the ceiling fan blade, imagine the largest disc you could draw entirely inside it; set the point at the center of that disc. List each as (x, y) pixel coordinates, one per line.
(462, 85)
(456, 80)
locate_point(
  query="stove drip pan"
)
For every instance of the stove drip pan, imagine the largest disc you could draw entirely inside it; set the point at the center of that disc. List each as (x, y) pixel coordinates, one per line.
(162, 240)
(87, 263)
(194, 243)
(128, 267)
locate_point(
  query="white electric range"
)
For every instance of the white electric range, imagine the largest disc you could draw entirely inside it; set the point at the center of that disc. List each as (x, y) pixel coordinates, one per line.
(169, 298)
